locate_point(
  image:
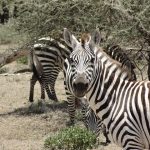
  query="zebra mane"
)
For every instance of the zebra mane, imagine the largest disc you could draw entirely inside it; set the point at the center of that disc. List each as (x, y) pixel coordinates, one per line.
(113, 61)
(85, 37)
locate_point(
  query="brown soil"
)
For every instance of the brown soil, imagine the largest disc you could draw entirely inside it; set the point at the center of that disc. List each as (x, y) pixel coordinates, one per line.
(22, 128)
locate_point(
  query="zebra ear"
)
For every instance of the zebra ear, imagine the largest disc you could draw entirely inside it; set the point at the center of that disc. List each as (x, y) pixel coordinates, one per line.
(70, 39)
(96, 37)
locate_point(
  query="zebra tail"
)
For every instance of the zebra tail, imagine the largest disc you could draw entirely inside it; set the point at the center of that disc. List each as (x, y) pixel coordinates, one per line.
(35, 64)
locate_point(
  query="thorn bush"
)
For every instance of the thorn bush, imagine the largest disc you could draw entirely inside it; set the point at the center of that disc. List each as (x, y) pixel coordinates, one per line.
(73, 138)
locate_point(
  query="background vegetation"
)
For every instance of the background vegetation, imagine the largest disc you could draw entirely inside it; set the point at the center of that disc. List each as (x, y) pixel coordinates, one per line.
(118, 20)
(123, 22)
(73, 138)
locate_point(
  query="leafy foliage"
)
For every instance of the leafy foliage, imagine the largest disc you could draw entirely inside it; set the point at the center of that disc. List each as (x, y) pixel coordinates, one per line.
(72, 138)
(117, 18)
(120, 22)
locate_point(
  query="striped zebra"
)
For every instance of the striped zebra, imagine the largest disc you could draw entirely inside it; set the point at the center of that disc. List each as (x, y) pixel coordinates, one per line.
(115, 52)
(122, 105)
(47, 50)
(47, 58)
(91, 121)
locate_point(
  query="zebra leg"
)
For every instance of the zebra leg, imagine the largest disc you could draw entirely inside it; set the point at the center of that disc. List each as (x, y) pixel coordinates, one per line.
(51, 94)
(42, 84)
(105, 134)
(48, 91)
(71, 105)
(52, 88)
(32, 84)
(71, 109)
(41, 103)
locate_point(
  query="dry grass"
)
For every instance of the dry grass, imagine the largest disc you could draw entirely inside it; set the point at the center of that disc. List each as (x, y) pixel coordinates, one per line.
(25, 129)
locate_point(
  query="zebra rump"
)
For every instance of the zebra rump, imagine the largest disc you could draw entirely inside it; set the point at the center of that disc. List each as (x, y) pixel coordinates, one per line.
(47, 57)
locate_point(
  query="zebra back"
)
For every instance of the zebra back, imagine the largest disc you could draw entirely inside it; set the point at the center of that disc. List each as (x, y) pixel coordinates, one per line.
(117, 53)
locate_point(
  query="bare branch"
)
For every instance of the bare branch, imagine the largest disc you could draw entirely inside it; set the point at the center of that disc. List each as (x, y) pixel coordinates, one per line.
(11, 55)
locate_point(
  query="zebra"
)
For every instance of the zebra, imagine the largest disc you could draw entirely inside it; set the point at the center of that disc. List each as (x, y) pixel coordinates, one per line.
(47, 57)
(49, 45)
(117, 53)
(114, 51)
(60, 50)
(91, 121)
(53, 47)
(122, 105)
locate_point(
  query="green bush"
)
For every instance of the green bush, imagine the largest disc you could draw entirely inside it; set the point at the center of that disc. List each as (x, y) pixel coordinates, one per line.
(73, 138)
(23, 60)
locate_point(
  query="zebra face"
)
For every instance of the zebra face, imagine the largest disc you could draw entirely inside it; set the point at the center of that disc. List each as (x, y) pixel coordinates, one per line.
(81, 72)
(81, 61)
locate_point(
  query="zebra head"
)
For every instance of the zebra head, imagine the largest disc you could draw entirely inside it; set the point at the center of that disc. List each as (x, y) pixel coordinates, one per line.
(81, 61)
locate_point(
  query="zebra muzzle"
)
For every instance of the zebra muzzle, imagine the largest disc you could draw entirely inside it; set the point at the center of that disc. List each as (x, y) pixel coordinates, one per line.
(80, 89)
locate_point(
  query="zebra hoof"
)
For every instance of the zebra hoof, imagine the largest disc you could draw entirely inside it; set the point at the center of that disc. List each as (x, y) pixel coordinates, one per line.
(54, 98)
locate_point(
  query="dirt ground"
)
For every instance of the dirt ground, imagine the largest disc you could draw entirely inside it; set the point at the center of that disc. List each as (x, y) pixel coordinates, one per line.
(22, 128)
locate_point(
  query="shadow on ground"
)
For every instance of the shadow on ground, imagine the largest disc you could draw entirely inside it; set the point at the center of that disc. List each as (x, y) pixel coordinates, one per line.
(38, 108)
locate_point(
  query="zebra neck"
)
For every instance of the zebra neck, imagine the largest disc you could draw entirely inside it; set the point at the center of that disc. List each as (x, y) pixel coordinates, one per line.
(105, 84)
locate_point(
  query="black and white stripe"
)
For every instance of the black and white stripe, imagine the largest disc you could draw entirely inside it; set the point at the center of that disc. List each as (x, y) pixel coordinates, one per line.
(44, 62)
(122, 105)
(91, 121)
(47, 58)
(117, 53)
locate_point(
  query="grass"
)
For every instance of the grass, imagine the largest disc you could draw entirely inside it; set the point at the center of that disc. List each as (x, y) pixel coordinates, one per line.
(23, 60)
